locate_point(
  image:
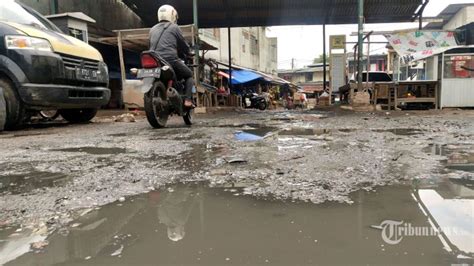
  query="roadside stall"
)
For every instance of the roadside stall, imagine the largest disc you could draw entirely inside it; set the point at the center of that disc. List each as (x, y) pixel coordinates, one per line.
(138, 40)
(431, 70)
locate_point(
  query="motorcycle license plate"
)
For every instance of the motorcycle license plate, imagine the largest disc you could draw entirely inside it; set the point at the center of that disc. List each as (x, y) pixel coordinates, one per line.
(149, 73)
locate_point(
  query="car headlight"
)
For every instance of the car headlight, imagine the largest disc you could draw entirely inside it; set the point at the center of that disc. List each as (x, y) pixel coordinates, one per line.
(27, 43)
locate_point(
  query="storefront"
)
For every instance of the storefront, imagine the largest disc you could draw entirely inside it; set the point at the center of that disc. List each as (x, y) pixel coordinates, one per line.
(457, 81)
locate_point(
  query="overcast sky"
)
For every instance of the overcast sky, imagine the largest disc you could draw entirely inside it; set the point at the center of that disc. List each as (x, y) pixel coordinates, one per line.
(304, 42)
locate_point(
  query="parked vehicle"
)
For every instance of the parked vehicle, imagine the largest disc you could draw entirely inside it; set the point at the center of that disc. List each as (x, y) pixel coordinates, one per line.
(163, 93)
(374, 76)
(253, 100)
(43, 69)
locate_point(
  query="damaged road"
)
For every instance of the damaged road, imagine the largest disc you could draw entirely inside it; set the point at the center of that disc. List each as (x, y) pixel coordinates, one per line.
(51, 177)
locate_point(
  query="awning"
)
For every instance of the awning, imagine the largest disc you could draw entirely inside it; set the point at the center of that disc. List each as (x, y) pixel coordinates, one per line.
(243, 76)
(246, 13)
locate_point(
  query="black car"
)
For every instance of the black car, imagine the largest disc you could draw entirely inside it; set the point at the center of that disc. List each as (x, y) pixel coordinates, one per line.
(42, 69)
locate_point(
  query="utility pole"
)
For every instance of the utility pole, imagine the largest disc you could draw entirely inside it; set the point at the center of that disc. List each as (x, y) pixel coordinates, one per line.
(292, 63)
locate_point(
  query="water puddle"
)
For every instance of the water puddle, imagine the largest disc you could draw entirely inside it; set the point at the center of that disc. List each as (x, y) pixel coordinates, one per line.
(26, 182)
(459, 156)
(193, 224)
(254, 134)
(95, 150)
(401, 131)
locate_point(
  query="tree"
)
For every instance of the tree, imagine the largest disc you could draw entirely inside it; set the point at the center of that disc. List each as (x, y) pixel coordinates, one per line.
(320, 59)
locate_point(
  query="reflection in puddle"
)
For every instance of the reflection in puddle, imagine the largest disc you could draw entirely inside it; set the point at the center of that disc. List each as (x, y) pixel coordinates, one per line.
(453, 216)
(459, 156)
(95, 150)
(254, 134)
(195, 224)
(22, 183)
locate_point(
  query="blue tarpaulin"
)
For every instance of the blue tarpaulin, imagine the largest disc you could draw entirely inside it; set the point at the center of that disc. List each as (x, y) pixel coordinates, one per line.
(244, 76)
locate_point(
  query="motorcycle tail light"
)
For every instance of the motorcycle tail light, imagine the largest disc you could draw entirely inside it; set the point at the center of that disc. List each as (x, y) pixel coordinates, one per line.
(149, 61)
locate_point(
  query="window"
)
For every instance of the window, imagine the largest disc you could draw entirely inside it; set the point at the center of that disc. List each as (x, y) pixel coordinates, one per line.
(254, 45)
(243, 48)
(78, 34)
(458, 66)
(308, 76)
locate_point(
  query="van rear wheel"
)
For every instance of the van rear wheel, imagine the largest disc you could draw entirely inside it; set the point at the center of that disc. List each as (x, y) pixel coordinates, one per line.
(15, 111)
(78, 115)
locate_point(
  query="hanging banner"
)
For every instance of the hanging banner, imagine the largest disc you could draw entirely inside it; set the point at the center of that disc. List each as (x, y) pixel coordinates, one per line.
(417, 45)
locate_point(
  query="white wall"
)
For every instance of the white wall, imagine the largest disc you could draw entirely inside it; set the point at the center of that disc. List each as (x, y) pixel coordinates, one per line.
(457, 93)
(463, 17)
(263, 58)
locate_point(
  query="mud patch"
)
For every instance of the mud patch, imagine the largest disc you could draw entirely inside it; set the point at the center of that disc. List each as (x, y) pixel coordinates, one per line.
(401, 131)
(23, 183)
(94, 150)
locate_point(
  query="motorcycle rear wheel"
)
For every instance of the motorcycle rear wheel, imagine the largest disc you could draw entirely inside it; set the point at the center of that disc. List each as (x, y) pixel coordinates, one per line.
(262, 106)
(156, 115)
(188, 117)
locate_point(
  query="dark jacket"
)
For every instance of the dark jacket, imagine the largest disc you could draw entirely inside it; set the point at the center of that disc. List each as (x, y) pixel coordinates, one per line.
(167, 40)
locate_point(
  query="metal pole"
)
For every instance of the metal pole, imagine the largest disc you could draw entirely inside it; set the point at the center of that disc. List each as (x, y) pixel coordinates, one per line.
(368, 62)
(196, 25)
(360, 43)
(53, 5)
(123, 75)
(229, 39)
(324, 58)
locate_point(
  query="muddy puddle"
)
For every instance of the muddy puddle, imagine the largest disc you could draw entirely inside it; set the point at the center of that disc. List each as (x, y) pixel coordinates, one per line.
(95, 150)
(195, 224)
(401, 131)
(27, 182)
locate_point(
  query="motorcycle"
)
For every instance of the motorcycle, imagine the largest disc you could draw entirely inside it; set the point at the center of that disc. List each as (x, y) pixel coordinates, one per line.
(253, 100)
(163, 93)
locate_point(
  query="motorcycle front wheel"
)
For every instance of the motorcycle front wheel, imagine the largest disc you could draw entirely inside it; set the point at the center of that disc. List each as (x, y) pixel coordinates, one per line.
(156, 112)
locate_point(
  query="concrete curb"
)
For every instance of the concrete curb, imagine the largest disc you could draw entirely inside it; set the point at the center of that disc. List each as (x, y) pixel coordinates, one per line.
(3, 110)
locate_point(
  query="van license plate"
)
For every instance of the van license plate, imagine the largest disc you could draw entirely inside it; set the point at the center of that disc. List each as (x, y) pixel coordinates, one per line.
(86, 74)
(149, 73)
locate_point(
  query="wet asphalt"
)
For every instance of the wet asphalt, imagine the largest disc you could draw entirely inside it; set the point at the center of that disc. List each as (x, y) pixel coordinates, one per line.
(243, 188)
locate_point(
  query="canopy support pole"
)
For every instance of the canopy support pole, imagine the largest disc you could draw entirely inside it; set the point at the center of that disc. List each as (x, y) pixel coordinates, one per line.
(123, 75)
(360, 44)
(229, 40)
(324, 61)
(196, 40)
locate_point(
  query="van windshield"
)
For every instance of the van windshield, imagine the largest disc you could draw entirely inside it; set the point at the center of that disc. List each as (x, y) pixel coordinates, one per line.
(14, 12)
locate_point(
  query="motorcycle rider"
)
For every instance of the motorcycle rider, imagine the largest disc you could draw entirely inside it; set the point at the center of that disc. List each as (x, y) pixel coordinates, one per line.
(167, 40)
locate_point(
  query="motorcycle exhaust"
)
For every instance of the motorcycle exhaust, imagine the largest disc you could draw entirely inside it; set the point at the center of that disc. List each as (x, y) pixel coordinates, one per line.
(175, 99)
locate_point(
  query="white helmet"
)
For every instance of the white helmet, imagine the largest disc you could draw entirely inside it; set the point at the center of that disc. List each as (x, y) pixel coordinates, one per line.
(168, 13)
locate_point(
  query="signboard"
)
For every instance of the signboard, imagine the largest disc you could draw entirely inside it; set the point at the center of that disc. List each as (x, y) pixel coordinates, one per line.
(338, 71)
(337, 42)
(416, 45)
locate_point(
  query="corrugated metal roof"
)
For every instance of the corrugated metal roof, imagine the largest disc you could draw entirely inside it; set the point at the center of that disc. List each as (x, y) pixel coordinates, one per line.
(245, 13)
(447, 14)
